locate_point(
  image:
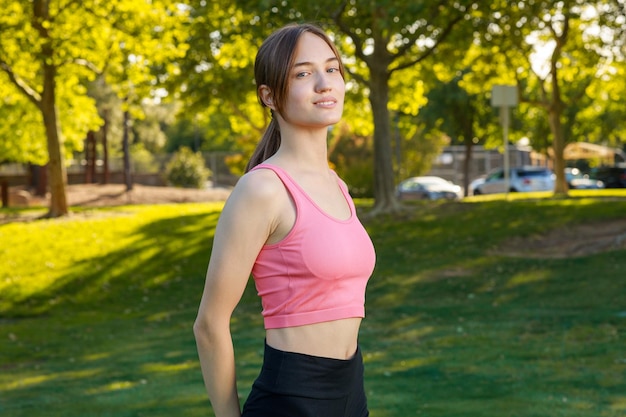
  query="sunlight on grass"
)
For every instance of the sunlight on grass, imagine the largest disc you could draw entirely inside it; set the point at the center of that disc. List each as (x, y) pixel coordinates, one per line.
(508, 196)
(168, 367)
(44, 264)
(160, 316)
(528, 277)
(403, 365)
(37, 267)
(115, 386)
(26, 381)
(573, 194)
(95, 357)
(619, 403)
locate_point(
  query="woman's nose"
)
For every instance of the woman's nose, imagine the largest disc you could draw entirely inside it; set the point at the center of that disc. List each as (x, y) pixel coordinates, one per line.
(322, 84)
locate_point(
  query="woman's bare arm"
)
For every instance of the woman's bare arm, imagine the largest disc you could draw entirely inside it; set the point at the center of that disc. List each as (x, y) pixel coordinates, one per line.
(247, 220)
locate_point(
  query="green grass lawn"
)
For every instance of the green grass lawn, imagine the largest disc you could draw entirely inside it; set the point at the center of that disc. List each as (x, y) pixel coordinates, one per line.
(96, 313)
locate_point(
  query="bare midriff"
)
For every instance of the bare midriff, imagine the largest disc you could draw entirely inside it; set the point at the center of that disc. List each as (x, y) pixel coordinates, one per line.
(336, 339)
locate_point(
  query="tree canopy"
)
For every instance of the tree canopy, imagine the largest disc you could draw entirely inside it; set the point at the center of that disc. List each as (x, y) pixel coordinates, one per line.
(557, 53)
(51, 49)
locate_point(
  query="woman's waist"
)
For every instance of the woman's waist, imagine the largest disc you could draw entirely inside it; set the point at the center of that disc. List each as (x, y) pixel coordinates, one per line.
(302, 375)
(337, 339)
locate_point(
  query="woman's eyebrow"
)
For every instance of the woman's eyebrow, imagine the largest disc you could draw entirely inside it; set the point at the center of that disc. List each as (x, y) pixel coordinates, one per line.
(307, 63)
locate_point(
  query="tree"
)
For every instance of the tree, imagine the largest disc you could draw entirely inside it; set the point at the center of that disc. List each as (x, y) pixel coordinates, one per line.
(390, 38)
(462, 116)
(51, 47)
(577, 36)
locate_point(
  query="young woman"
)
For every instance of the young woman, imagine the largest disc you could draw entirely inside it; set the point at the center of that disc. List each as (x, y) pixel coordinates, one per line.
(291, 223)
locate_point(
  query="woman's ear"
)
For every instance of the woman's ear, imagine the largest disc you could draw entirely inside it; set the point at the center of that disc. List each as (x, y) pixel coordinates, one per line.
(266, 96)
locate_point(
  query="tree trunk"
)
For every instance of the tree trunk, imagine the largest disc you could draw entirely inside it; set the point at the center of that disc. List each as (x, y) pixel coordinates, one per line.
(128, 179)
(106, 175)
(38, 179)
(469, 146)
(468, 140)
(555, 110)
(4, 186)
(57, 174)
(558, 146)
(385, 200)
(90, 157)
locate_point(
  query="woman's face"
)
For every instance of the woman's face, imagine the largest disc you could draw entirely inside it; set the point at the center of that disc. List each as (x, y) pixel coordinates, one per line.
(316, 87)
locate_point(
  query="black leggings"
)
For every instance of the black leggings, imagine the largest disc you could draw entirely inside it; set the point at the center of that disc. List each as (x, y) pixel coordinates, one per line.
(298, 385)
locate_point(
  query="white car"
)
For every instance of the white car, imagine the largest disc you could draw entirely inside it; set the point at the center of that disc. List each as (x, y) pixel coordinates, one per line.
(475, 183)
(428, 188)
(521, 179)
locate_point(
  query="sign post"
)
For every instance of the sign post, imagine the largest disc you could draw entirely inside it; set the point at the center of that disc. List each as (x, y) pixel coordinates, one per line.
(504, 97)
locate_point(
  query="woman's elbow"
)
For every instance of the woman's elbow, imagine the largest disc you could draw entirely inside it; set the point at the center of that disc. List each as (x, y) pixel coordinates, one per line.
(207, 331)
(201, 329)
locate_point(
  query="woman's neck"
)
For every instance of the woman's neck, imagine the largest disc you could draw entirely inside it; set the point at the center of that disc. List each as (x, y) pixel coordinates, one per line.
(304, 149)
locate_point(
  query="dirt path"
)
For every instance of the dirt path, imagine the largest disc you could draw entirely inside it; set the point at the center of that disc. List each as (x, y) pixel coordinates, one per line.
(569, 242)
(94, 195)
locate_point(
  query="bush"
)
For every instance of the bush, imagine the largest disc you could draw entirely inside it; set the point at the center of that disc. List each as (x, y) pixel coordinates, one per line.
(187, 169)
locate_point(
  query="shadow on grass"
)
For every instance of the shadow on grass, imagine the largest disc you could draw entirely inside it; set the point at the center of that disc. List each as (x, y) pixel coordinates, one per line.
(163, 258)
(114, 334)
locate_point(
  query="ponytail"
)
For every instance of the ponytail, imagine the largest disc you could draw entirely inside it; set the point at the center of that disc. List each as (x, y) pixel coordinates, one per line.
(268, 145)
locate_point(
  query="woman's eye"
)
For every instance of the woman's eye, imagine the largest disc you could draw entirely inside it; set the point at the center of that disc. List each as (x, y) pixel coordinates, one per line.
(333, 69)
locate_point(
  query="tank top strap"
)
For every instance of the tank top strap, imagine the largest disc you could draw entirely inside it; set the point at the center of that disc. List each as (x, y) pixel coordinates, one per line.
(344, 189)
(301, 198)
(292, 187)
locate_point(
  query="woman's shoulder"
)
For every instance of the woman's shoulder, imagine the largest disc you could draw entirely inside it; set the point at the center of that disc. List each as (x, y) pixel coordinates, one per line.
(259, 184)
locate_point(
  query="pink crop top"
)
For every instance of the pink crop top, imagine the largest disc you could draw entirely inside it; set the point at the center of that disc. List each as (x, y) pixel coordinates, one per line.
(319, 271)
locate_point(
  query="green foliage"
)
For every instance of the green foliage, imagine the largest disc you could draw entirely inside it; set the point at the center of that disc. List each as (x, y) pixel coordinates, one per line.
(216, 77)
(22, 138)
(560, 61)
(187, 169)
(603, 122)
(143, 160)
(97, 313)
(50, 52)
(149, 129)
(420, 148)
(184, 133)
(22, 133)
(207, 131)
(351, 156)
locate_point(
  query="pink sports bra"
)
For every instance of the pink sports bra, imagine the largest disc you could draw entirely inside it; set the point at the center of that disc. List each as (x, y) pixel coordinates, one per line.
(319, 271)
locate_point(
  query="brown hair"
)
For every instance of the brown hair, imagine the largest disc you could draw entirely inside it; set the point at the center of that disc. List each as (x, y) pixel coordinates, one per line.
(271, 68)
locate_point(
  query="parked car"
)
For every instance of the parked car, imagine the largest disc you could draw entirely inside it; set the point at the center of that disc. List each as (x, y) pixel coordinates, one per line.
(428, 188)
(521, 179)
(611, 176)
(577, 180)
(475, 183)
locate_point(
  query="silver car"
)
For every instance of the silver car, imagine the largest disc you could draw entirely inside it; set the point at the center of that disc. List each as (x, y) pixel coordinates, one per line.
(521, 179)
(428, 188)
